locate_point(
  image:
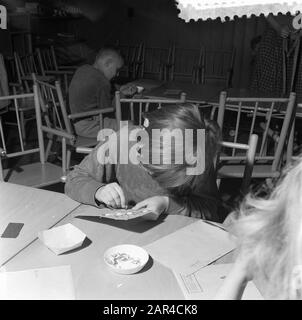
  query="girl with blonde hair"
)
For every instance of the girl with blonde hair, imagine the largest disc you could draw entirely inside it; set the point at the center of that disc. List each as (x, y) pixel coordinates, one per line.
(269, 234)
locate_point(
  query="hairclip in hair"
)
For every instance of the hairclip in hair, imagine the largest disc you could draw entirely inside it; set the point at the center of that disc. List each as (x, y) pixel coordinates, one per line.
(146, 123)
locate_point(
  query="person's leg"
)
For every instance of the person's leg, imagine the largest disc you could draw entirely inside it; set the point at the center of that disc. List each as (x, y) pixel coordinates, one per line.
(111, 123)
(88, 128)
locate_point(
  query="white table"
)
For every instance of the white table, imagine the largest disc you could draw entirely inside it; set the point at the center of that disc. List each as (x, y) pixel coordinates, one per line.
(37, 209)
(92, 278)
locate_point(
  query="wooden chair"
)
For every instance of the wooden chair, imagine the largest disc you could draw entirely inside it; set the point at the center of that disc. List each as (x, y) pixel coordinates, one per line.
(214, 66)
(198, 68)
(168, 66)
(153, 63)
(57, 123)
(35, 173)
(49, 67)
(26, 108)
(137, 64)
(255, 115)
(27, 65)
(136, 106)
(185, 60)
(50, 61)
(225, 171)
(133, 60)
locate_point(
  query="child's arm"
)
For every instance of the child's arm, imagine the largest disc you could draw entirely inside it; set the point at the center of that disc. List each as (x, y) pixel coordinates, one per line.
(87, 183)
(86, 178)
(235, 283)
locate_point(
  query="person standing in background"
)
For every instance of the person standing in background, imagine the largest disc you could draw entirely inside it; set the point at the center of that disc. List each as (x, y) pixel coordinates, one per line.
(273, 66)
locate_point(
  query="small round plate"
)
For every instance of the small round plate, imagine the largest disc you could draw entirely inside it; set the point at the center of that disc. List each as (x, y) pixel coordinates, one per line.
(126, 258)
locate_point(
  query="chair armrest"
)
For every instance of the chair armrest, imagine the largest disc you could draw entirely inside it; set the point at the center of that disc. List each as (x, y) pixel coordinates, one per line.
(14, 84)
(83, 150)
(59, 133)
(39, 77)
(90, 113)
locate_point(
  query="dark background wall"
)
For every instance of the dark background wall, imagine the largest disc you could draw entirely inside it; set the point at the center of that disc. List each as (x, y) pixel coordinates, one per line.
(156, 24)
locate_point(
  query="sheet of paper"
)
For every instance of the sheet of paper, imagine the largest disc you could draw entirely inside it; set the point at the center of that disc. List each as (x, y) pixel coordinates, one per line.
(191, 247)
(204, 283)
(37, 284)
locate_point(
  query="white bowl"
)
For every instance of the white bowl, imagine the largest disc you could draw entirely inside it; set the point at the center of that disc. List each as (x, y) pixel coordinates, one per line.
(139, 89)
(126, 258)
(63, 238)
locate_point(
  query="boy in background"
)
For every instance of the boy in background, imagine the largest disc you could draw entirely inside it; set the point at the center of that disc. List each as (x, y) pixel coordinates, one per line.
(90, 89)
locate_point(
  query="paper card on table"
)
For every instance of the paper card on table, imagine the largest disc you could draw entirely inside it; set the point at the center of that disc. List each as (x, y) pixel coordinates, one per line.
(205, 282)
(37, 284)
(12, 230)
(191, 247)
(63, 238)
(124, 214)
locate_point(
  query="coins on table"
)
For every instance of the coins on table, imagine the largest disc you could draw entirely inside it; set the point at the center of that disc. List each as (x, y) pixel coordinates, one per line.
(124, 214)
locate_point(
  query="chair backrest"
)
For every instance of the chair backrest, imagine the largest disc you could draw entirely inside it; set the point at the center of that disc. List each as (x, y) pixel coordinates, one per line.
(133, 59)
(154, 58)
(48, 58)
(138, 61)
(239, 118)
(27, 65)
(11, 142)
(168, 68)
(134, 107)
(217, 66)
(4, 91)
(53, 110)
(249, 158)
(185, 60)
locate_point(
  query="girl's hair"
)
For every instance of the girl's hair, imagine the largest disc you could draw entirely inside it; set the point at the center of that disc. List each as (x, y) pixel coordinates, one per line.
(174, 176)
(270, 233)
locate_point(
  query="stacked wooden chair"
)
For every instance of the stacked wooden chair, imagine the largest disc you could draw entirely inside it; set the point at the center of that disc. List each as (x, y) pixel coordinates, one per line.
(57, 123)
(25, 164)
(240, 118)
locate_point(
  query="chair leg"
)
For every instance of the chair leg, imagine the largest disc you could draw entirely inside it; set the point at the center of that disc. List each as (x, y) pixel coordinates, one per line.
(66, 84)
(290, 145)
(23, 125)
(1, 171)
(218, 181)
(68, 158)
(48, 148)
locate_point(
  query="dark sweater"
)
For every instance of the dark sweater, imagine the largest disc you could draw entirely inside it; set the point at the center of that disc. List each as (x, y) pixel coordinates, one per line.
(87, 177)
(89, 90)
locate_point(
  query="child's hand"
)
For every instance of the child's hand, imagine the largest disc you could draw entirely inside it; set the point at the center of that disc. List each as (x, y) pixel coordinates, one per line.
(244, 266)
(111, 195)
(128, 89)
(236, 281)
(157, 205)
